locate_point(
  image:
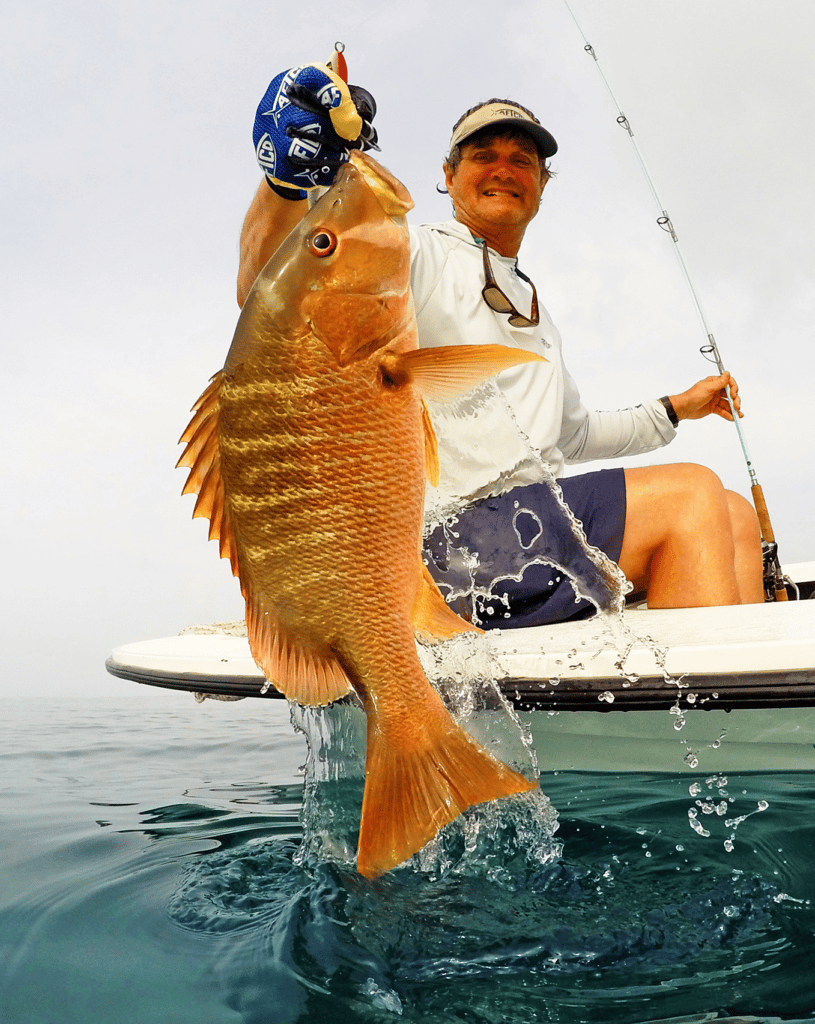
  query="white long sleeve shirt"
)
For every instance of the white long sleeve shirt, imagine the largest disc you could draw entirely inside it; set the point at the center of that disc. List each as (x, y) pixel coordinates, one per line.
(529, 418)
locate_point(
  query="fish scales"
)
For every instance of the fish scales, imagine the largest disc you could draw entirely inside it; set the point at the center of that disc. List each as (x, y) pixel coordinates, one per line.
(315, 489)
(306, 473)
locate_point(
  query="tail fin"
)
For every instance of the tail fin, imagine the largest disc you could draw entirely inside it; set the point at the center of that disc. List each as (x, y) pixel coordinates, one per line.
(412, 790)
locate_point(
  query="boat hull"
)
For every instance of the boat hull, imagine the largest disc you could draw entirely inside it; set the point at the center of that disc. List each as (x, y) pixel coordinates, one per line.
(698, 689)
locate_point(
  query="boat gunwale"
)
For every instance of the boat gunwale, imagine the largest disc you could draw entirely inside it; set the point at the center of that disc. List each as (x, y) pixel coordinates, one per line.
(754, 690)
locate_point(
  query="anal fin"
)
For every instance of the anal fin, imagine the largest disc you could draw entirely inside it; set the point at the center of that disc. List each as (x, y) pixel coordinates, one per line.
(431, 448)
(433, 618)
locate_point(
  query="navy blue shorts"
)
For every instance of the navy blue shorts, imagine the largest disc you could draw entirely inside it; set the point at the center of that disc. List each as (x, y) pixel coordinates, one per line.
(509, 561)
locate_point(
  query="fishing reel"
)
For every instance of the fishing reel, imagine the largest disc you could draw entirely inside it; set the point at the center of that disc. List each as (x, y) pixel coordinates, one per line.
(777, 586)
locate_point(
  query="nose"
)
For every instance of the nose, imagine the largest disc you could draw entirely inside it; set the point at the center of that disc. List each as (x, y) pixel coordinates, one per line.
(501, 171)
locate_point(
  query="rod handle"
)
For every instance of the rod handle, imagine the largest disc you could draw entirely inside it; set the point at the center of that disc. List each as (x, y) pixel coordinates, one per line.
(768, 535)
(762, 513)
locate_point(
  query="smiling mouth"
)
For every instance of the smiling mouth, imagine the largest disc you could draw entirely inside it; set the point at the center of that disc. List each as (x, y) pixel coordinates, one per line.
(501, 192)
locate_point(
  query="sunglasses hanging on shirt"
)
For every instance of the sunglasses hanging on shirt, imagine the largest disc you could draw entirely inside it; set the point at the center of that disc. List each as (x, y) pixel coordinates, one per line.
(499, 303)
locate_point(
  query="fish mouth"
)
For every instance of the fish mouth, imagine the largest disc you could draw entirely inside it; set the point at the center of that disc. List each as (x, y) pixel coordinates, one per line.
(391, 194)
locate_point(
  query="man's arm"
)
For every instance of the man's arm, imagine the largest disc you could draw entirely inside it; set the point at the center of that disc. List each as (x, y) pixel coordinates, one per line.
(708, 397)
(587, 436)
(269, 219)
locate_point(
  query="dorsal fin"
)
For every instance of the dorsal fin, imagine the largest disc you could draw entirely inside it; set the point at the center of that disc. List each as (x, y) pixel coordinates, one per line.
(309, 677)
(202, 457)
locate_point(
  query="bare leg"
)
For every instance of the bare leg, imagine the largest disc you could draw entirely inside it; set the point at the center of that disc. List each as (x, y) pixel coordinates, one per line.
(687, 542)
(749, 563)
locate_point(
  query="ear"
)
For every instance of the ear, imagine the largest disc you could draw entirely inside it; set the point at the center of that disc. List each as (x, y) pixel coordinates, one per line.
(545, 177)
(448, 175)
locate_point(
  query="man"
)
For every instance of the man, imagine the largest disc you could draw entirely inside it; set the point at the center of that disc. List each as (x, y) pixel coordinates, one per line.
(675, 532)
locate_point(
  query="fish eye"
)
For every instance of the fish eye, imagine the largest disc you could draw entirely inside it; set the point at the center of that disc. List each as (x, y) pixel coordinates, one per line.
(323, 243)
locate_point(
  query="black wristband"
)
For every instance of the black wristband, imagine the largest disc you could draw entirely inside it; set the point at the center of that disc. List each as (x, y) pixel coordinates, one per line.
(293, 194)
(669, 408)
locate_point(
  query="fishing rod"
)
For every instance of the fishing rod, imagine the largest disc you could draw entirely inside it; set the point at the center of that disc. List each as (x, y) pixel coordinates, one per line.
(774, 579)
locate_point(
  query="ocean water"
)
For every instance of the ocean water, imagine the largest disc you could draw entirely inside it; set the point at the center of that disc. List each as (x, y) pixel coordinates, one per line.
(169, 862)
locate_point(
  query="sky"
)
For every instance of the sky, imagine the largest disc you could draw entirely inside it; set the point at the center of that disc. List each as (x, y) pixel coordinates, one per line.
(126, 167)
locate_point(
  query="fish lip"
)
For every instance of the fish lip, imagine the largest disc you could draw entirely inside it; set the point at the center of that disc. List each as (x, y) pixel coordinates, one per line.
(391, 194)
(362, 290)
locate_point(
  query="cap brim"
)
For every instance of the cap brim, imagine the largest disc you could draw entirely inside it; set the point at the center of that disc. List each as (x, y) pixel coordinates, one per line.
(543, 140)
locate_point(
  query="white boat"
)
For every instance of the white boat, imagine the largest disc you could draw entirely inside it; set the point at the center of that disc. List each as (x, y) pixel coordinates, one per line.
(739, 681)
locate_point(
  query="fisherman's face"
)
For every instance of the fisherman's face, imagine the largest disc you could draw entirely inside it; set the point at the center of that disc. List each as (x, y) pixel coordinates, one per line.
(499, 181)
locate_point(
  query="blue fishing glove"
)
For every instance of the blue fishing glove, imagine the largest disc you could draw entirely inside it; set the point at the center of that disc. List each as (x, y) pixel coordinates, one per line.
(306, 125)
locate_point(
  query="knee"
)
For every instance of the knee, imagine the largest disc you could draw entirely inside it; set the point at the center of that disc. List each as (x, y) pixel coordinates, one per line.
(699, 479)
(675, 502)
(746, 529)
(695, 489)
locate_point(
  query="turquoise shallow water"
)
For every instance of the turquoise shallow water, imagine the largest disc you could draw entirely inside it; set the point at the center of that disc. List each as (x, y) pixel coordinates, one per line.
(155, 868)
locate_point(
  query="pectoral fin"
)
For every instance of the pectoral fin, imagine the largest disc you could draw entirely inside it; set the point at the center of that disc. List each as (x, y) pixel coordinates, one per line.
(444, 374)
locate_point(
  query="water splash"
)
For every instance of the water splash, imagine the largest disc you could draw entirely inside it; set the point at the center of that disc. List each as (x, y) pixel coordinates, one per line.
(334, 775)
(711, 806)
(464, 670)
(469, 578)
(505, 840)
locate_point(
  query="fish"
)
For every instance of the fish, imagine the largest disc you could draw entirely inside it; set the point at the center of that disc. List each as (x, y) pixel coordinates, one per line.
(309, 452)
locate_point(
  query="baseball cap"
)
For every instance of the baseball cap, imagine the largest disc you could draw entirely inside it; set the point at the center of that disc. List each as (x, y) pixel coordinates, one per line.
(506, 114)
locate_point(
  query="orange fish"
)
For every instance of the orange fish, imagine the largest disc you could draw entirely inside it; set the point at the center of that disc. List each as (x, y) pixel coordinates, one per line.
(309, 452)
